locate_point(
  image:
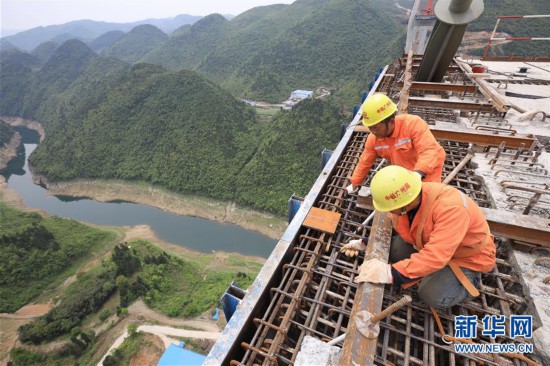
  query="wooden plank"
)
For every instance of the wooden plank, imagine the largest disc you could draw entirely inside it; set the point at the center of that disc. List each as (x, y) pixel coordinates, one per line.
(530, 229)
(322, 220)
(357, 349)
(450, 104)
(500, 103)
(403, 106)
(477, 137)
(456, 88)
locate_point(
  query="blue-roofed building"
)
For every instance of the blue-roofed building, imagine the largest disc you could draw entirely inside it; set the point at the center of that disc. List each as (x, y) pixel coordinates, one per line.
(176, 355)
(298, 95)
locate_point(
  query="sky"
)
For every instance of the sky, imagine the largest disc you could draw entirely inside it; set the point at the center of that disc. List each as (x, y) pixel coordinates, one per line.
(27, 14)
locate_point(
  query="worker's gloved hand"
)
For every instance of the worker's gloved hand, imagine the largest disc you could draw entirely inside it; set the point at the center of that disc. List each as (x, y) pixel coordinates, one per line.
(352, 189)
(374, 271)
(353, 248)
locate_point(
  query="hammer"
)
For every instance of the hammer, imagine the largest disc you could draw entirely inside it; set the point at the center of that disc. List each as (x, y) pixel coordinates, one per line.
(367, 323)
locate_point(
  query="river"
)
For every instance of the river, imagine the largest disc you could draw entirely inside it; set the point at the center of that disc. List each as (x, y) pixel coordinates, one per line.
(191, 232)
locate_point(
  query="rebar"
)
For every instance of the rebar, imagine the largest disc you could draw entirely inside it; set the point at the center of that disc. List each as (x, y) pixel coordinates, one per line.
(315, 290)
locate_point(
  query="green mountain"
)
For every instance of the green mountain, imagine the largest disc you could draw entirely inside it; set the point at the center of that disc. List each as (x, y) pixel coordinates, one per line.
(61, 70)
(15, 56)
(90, 29)
(152, 125)
(105, 119)
(288, 157)
(6, 133)
(189, 45)
(135, 44)
(105, 40)
(267, 52)
(36, 251)
(45, 50)
(6, 45)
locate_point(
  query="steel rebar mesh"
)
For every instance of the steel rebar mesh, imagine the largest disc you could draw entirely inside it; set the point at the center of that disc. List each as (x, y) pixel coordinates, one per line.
(466, 180)
(523, 181)
(316, 292)
(411, 337)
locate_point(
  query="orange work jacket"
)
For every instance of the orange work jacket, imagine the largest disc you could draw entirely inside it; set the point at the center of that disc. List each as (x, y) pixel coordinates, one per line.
(411, 146)
(454, 225)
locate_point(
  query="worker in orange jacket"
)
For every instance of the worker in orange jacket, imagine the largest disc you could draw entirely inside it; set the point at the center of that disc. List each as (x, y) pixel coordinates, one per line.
(443, 238)
(404, 140)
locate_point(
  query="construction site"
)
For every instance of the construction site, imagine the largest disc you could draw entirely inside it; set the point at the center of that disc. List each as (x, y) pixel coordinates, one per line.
(490, 117)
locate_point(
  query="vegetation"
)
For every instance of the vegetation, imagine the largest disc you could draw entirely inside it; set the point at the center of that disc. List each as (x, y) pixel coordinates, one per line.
(23, 357)
(37, 253)
(267, 52)
(135, 44)
(288, 158)
(131, 346)
(108, 122)
(170, 284)
(536, 27)
(105, 40)
(91, 291)
(6, 133)
(174, 286)
(45, 50)
(105, 119)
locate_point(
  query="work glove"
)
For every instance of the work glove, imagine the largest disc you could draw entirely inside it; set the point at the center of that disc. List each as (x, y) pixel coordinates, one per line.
(374, 271)
(353, 248)
(352, 189)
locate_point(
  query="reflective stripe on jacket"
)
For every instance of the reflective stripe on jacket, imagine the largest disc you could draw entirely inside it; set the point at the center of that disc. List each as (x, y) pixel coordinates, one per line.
(411, 146)
(455, 223)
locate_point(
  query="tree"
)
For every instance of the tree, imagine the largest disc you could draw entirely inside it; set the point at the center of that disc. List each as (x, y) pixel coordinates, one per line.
(132, 329)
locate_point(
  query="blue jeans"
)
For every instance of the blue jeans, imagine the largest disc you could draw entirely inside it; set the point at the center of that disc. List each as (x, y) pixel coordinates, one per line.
(440, 289)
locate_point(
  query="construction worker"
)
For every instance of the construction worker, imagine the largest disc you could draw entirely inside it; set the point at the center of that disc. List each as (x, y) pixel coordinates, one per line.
(443, 238)
(404, 140)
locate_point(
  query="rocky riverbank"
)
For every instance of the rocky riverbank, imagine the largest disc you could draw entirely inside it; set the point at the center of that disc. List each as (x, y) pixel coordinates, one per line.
(179, 204)
(147, 194)
(9, 150)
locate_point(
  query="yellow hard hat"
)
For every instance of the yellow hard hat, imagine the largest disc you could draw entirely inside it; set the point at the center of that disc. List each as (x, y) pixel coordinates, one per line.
(394, 187)
(377, 108)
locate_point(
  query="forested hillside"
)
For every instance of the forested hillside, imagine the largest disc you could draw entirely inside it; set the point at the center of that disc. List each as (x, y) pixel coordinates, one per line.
(135, 44)
(88, 30)
(105, 119)
(105, 40)
(35, 253)
(83, 270)
(45, 50)
(6, 132)
(516, 27)
(267, 52)
(189, 45)
(288, 158)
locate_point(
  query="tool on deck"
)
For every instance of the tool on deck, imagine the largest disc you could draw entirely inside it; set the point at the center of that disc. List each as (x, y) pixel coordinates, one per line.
(367, 323)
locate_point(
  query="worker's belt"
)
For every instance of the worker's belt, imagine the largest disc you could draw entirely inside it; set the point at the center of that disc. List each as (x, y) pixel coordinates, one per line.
(461, 252)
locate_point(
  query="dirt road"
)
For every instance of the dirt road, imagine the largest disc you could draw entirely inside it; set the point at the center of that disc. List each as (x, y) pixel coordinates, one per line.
(164, 333)
(139, 309)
